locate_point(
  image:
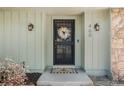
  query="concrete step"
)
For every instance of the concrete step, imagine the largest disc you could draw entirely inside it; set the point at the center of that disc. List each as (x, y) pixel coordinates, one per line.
(80, 79)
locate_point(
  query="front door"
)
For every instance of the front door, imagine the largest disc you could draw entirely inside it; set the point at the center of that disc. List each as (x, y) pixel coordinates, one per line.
(64, 30)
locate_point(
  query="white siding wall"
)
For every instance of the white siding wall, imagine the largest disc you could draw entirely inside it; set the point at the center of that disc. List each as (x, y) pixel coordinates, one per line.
(20, 44)
(97, 50)
(82, 40)
(1, 34)
(36, 47)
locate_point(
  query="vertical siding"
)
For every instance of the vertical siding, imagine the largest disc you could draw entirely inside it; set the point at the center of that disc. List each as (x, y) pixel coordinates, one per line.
(36, 48)
(96, 46)
(88, 41)
(38, 41)
(1, 33)
(43, 41)
(17, 42)
(23, 37)
(14, 35)
(82, 40)
(78, 44)
(7, 35)
(97, 18)
(31, 41)
(49, 41)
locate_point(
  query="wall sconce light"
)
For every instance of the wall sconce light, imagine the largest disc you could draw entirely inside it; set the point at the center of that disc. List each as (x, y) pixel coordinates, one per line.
(30, 27)
(97, 27)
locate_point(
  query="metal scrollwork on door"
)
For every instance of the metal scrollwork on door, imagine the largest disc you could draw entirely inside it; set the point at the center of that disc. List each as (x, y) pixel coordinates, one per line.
(64, 41)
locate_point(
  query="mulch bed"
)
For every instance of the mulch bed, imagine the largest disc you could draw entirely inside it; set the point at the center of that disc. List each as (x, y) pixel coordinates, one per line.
(32, 78)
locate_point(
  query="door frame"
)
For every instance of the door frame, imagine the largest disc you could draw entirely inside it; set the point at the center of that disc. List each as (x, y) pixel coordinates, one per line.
(63, 17)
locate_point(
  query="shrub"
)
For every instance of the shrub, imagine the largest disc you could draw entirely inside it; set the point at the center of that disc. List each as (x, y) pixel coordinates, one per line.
(12, 73)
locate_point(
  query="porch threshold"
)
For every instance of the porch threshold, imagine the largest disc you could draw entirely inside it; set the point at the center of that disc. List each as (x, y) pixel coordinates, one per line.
(75, 79)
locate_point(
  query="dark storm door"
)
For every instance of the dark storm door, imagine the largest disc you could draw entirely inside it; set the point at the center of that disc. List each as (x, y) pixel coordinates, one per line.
(64, 30)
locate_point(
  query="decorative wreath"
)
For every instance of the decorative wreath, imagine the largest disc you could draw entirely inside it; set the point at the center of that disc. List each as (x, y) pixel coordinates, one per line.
(64, 33)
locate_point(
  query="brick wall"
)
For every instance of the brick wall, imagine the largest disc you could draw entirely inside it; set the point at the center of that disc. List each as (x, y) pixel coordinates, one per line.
(118, 43)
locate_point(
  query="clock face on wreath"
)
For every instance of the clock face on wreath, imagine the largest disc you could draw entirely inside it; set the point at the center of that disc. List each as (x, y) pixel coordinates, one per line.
(64, 33)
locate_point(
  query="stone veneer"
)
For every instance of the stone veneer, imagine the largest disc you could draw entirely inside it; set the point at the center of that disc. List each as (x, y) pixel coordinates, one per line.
(117, 23)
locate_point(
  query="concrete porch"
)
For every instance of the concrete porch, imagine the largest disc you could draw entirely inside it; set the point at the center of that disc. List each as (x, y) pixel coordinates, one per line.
(64, 79)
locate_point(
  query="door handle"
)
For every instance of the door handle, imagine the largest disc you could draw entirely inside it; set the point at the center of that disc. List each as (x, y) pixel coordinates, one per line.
(55, 44)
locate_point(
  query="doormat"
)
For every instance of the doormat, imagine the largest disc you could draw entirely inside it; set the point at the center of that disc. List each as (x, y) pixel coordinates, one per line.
(64, 71)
